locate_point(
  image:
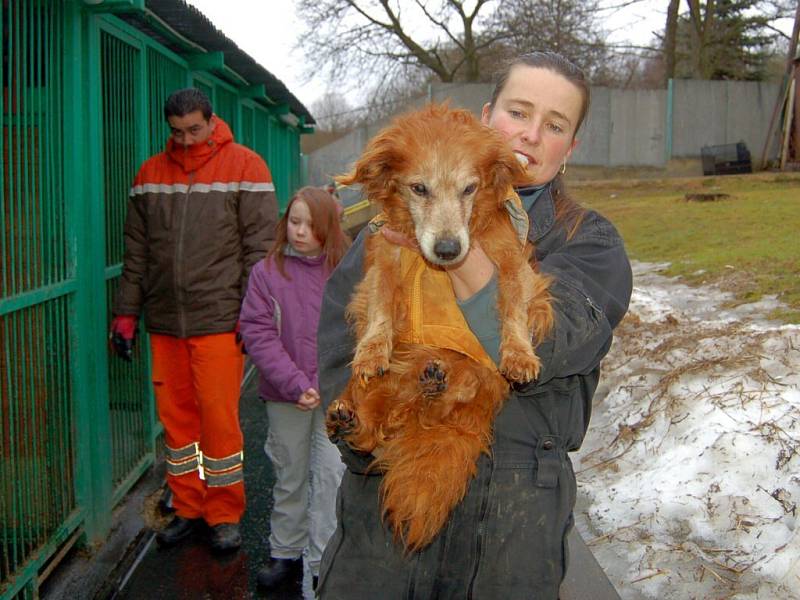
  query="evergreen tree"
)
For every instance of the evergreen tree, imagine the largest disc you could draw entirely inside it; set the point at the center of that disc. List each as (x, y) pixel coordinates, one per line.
(724, 39)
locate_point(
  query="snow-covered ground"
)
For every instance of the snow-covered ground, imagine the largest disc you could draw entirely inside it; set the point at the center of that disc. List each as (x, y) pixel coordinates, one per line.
(689, 478)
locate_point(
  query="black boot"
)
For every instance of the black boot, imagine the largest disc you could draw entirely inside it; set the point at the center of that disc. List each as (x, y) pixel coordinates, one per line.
(178, 529)
(225, 537)
(279, 571)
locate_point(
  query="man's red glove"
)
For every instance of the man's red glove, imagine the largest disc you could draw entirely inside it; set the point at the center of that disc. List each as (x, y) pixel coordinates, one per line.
(123, 336)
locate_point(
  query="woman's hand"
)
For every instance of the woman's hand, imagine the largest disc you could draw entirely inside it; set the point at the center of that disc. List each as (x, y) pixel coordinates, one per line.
(467, 277)
(472, 274)
(308, 400)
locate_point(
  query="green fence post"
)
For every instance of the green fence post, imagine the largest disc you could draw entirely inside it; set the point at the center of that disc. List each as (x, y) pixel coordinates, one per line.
(143, 146)
(668, 132)
(83, 174)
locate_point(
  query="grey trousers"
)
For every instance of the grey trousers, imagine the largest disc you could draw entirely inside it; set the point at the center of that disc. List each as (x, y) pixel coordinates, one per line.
(308, 470)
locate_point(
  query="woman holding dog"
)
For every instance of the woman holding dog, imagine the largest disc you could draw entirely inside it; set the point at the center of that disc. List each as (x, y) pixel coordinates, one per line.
(507, 537)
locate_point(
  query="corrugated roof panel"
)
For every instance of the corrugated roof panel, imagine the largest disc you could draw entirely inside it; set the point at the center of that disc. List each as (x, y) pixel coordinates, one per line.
(193, 25)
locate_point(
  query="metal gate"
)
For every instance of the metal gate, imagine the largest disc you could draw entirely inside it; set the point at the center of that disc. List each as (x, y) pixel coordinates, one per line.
(129, 395)
(37, 283)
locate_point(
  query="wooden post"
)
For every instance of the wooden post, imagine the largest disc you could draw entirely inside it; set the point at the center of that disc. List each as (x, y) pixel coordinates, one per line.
(794, 147)
(787, 124)
(781, 100)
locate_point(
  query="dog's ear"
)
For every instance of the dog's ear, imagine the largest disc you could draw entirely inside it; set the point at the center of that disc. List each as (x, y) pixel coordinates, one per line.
(505, 169)
(375, 167)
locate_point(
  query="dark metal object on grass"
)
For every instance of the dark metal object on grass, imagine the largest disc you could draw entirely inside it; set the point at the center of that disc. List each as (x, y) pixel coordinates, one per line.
(726, 159)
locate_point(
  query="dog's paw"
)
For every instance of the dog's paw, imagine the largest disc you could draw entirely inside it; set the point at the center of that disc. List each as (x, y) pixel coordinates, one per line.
(433, 379)
(340, 421)
(519, 366)
(371, 360)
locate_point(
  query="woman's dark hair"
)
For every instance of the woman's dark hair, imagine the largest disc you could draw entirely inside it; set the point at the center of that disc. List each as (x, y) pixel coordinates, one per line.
(553, 62)
(325, 223)
(186, 101)
(568, 212)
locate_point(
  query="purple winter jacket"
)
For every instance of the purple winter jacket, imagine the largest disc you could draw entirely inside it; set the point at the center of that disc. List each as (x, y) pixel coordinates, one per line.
(278, 323)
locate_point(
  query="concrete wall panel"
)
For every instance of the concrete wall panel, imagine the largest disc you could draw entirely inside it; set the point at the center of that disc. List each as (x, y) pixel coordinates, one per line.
(699, 115)
(463, 95)
(623, 128)
(708, 113)
(594, 138)
(637, 128)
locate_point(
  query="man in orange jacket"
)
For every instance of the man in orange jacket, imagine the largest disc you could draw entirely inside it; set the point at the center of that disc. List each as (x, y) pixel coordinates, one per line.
(200, 214)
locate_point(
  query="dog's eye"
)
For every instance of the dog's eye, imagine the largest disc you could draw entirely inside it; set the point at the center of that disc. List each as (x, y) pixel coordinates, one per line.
(470, 189)
(419, 189)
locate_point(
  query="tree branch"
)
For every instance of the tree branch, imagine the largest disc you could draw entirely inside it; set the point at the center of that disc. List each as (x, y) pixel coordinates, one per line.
(441, 24)
(422, 55)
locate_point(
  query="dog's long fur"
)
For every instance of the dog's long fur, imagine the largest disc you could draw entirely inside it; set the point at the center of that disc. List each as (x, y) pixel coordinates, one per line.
(441, 179)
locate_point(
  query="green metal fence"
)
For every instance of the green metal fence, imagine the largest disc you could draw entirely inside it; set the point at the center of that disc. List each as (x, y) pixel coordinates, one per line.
(81, 107)
(226, 105)
(37, 461)
(129, 401)
(164, 76)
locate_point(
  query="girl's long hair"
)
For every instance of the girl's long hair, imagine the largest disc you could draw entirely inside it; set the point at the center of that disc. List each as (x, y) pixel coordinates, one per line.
(324, 211)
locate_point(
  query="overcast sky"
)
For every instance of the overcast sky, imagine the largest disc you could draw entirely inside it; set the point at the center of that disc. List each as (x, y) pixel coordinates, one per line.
(268, 29)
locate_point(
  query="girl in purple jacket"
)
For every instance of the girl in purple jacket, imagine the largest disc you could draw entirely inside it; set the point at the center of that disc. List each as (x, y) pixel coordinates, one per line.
(279, 319)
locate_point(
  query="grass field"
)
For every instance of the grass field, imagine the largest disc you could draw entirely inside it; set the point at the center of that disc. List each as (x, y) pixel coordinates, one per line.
(747, 242)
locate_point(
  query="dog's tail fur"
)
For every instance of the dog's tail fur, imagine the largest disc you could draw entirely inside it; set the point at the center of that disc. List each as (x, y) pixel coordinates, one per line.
(429, 463)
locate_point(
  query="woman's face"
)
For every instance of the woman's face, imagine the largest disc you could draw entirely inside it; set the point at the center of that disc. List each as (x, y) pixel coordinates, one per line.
(299, 230)
(537, 111)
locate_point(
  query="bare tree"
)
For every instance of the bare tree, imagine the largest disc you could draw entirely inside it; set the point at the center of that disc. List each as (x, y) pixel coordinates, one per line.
(721, 39)
(670, 39)
(701, 19)
(393, 45)
(774, 10)
(726, 39)
(380, 42)
(569, 27)
(333, 112)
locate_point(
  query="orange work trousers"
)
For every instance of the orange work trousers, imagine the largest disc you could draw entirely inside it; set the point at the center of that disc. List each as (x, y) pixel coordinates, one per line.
(197, 383)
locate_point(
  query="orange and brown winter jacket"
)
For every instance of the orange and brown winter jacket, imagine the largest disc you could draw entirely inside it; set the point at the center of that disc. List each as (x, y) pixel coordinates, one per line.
(198, 218)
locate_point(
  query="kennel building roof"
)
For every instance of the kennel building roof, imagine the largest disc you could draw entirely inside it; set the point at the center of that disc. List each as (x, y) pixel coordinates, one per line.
(195, 28)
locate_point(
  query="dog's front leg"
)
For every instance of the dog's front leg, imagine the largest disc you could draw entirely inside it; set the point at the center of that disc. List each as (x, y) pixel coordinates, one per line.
(518, 286)
(376, 294)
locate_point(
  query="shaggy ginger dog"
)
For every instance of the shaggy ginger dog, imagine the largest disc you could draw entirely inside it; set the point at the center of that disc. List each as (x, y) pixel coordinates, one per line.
(426, 412)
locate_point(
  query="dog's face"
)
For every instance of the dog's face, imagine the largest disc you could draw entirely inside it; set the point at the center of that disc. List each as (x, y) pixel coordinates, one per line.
(438, 172)
(439, 189)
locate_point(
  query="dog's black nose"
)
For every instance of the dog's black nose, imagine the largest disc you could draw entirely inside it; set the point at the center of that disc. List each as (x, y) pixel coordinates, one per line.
(447, 249)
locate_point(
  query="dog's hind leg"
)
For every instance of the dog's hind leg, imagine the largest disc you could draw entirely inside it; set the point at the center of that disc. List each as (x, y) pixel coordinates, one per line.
(340, 420)
(426, 473)
(429, 463)
(433, 380)
(360, 414)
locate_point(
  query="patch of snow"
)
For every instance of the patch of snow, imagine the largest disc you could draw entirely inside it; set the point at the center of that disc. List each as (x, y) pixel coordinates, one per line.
(689, 477)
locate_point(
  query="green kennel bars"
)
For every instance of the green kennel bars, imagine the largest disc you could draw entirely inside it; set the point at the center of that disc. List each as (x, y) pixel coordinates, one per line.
(84, 83)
